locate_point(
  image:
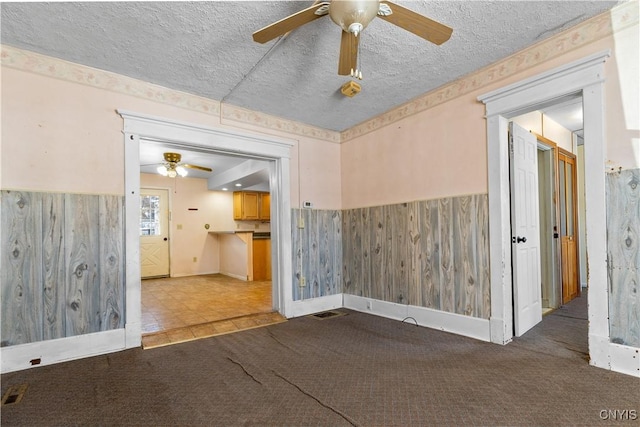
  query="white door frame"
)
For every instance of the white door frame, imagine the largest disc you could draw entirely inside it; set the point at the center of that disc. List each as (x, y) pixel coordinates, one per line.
(586, 76)
(139, 127)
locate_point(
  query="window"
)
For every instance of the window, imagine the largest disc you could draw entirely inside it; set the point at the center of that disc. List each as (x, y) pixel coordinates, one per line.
(150, 215)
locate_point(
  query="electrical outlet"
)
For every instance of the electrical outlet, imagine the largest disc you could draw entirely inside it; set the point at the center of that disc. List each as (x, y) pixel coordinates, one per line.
(303, 281)
(195, 259)
(301, 223)
(179, 226)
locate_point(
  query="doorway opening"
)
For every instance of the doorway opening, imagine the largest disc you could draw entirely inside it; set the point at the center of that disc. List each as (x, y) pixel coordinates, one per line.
(558, 129)
(217, 267)
(140, 128)
(585, 76)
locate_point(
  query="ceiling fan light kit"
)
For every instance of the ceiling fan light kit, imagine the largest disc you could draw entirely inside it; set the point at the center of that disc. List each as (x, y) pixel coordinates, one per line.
(353, 16)
(173, 168)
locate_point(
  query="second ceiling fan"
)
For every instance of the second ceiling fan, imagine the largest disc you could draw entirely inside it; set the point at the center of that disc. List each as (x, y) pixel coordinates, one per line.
(353, 16)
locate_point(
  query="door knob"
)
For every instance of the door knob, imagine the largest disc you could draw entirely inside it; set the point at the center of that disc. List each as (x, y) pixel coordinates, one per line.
(165, 239)
(518, 239)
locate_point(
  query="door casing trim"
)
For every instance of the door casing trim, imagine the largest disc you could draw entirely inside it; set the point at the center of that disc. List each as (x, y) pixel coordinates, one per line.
(586, 76)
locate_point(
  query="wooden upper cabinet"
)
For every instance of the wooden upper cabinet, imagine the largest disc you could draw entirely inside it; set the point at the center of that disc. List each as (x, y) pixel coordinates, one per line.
(251, 206)
(265, 206)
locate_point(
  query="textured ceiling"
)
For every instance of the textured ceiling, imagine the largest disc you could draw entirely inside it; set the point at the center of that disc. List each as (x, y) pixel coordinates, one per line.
(206, 48)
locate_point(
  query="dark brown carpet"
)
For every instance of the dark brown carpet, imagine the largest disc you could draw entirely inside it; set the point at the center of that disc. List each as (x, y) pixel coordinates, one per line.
(355, 369)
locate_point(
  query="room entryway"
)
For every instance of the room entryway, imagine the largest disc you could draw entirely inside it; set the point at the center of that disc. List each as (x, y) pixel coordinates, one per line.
(183, 309)
(154, 232)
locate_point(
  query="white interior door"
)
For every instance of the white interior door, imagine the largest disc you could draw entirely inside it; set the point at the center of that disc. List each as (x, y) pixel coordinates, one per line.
(154, 232)
(525, 229)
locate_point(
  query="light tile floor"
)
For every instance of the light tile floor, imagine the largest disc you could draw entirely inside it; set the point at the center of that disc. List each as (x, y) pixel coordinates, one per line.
(186, 308)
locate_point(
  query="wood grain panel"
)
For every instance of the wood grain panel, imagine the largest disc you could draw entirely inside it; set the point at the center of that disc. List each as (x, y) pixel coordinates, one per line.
(21, 273)
(464, 256)
(377, 252)
(623, 256)
(447, 280)
(365, 266)
(399, 252)
(337, 256)
(317, 253)
(430, 250)
(428, 253)
(53, 265)
(482, 250)
(347, 243)
(311, 272)
(111, 258)
(81, 241)
(414, 255)
(296, 253)
(63, 265)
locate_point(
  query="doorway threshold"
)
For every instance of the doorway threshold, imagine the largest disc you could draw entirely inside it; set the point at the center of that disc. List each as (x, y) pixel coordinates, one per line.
(210, 329)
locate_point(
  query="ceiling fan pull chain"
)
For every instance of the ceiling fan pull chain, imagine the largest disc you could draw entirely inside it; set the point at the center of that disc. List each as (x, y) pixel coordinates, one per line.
(358, 62)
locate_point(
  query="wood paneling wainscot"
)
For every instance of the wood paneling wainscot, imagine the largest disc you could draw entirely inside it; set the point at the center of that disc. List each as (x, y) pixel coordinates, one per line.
(432, 253)
(62, 265)
(623, 256)
(317, 252)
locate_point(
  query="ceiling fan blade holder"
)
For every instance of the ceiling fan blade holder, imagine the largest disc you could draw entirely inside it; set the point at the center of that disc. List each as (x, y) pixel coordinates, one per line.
(291, 22)
(348, 53)
(202, 168)
(417, 24)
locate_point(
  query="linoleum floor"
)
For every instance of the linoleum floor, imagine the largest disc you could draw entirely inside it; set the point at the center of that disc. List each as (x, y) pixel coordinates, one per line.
(180, 307)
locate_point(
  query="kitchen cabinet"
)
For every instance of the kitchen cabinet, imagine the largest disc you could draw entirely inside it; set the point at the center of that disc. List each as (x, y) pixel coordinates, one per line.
(261, 259)
(251, 206)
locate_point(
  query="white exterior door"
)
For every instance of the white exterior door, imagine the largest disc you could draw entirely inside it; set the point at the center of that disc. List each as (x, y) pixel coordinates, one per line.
(525, 229)
(154, 232)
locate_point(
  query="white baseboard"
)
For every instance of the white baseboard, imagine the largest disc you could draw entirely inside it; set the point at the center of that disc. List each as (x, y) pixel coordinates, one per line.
(42, 353)
(472, 327)
(235, 276)
(314, 305)
(201, 273)
(615, 357)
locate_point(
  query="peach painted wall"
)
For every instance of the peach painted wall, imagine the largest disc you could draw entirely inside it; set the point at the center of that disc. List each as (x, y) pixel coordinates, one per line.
(441, 151)
(438, 153)
(48, 122)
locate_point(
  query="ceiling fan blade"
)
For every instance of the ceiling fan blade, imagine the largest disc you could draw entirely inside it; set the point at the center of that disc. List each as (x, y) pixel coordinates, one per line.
(348, 54)
(289, 23)
(417, 24)
(202, 168)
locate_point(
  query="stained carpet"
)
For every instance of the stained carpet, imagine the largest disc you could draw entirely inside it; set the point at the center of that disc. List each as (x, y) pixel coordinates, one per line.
(354, 369)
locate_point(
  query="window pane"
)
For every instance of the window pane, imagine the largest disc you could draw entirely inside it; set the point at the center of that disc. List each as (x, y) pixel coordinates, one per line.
(569, 199)
(563, 204)
(150, 216)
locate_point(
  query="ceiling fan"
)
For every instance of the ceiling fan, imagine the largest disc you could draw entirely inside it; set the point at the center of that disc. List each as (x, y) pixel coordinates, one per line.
(172, 166)
(353, 16)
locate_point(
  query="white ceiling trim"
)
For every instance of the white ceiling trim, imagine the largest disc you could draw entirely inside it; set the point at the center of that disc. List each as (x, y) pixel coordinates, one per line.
(596, 28)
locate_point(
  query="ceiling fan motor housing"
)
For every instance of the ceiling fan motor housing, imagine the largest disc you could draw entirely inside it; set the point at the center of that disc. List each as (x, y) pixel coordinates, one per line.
(172, 157)
(345, 13)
